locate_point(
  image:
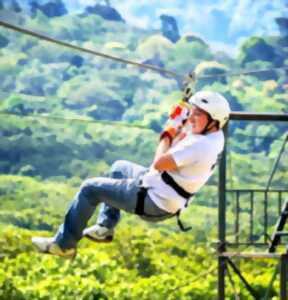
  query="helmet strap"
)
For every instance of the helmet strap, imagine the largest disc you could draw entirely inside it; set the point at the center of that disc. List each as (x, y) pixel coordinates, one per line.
(208, 126)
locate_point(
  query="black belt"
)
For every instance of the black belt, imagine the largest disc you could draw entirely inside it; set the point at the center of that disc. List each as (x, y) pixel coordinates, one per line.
(168, 179)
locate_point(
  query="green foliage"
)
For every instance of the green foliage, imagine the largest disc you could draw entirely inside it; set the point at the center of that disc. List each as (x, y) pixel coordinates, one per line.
(155, 46)
(186, 54)
(130, 268)
(210, 68)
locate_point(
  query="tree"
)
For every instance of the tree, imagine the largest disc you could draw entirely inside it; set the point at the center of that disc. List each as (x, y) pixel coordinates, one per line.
(211, 68)
(283, 28)
(15, 6)
(169, 28)
(257, 49)
(186, 55)
(51, 9)
(3, 41)
(155, 46)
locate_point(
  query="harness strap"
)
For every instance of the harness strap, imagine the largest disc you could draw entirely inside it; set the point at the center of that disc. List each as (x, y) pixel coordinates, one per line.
(168, 179)
(139, 210)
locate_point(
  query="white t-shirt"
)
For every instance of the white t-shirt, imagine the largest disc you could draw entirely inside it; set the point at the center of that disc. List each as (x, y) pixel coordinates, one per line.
(195, 157)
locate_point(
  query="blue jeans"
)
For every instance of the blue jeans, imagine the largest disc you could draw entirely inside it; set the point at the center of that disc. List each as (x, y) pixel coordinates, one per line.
(116, 192)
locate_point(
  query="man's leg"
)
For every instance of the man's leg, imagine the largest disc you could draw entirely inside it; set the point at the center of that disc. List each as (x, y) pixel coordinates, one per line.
(117, 193)
(109, 216)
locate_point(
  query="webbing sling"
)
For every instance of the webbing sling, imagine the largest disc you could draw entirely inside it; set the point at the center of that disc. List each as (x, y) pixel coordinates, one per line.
(139, 210)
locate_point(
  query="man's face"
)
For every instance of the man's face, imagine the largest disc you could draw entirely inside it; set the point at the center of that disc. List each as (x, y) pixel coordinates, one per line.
(198, 119)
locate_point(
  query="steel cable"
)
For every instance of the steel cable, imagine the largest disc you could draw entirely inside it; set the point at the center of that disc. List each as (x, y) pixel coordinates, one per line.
(126, 61)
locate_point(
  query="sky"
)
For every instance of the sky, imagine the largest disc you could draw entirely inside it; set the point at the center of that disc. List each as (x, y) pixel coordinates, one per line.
(222, 23)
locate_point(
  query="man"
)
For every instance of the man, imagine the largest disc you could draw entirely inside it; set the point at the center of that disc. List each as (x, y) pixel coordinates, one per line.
(184, 160)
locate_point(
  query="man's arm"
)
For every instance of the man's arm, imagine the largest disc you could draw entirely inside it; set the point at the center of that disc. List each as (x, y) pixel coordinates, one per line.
(164, 161)
(177, 118)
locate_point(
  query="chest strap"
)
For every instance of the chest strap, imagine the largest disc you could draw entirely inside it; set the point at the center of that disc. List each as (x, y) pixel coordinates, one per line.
(168, 179)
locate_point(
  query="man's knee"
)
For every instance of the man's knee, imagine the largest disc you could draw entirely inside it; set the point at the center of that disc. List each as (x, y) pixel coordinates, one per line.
(88, 188)
(119, 168)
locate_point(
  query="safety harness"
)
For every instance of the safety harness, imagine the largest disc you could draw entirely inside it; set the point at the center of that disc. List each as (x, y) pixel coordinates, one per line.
(168, 179)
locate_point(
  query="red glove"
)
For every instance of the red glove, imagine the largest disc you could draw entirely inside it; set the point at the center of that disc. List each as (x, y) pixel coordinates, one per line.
(177, 119)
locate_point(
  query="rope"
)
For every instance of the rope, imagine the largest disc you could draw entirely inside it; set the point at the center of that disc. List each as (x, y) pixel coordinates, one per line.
(62, 119)
(96, 53)
(112, 122)
(126, 61)
(108, 123)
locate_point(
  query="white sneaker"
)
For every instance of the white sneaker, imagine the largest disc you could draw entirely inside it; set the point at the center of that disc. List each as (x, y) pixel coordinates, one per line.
(48, 245)
(98, 233)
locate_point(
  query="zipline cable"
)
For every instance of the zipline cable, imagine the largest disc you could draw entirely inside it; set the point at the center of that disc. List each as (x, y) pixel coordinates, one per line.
(78, 48)
(108, 123)
(62, 119)
(126, 61)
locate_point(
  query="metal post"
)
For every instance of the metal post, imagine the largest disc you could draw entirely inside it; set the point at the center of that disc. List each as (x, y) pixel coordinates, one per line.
(237, 212)
(251, 216)
(222, 196)
(222, 222)
(222, 265)
(283, 276)
(265, 221)
(247, 285)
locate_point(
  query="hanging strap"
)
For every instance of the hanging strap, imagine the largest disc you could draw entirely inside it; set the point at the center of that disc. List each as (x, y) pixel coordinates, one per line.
(180, 224)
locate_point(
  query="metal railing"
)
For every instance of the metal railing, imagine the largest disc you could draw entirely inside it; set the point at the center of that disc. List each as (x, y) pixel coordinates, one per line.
(224, 192)
(258, 209)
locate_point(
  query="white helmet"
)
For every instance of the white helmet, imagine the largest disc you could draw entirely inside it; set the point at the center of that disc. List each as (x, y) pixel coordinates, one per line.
(214, 104)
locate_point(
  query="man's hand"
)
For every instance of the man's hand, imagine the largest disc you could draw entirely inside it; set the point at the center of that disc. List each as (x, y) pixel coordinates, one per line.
(177, 119)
